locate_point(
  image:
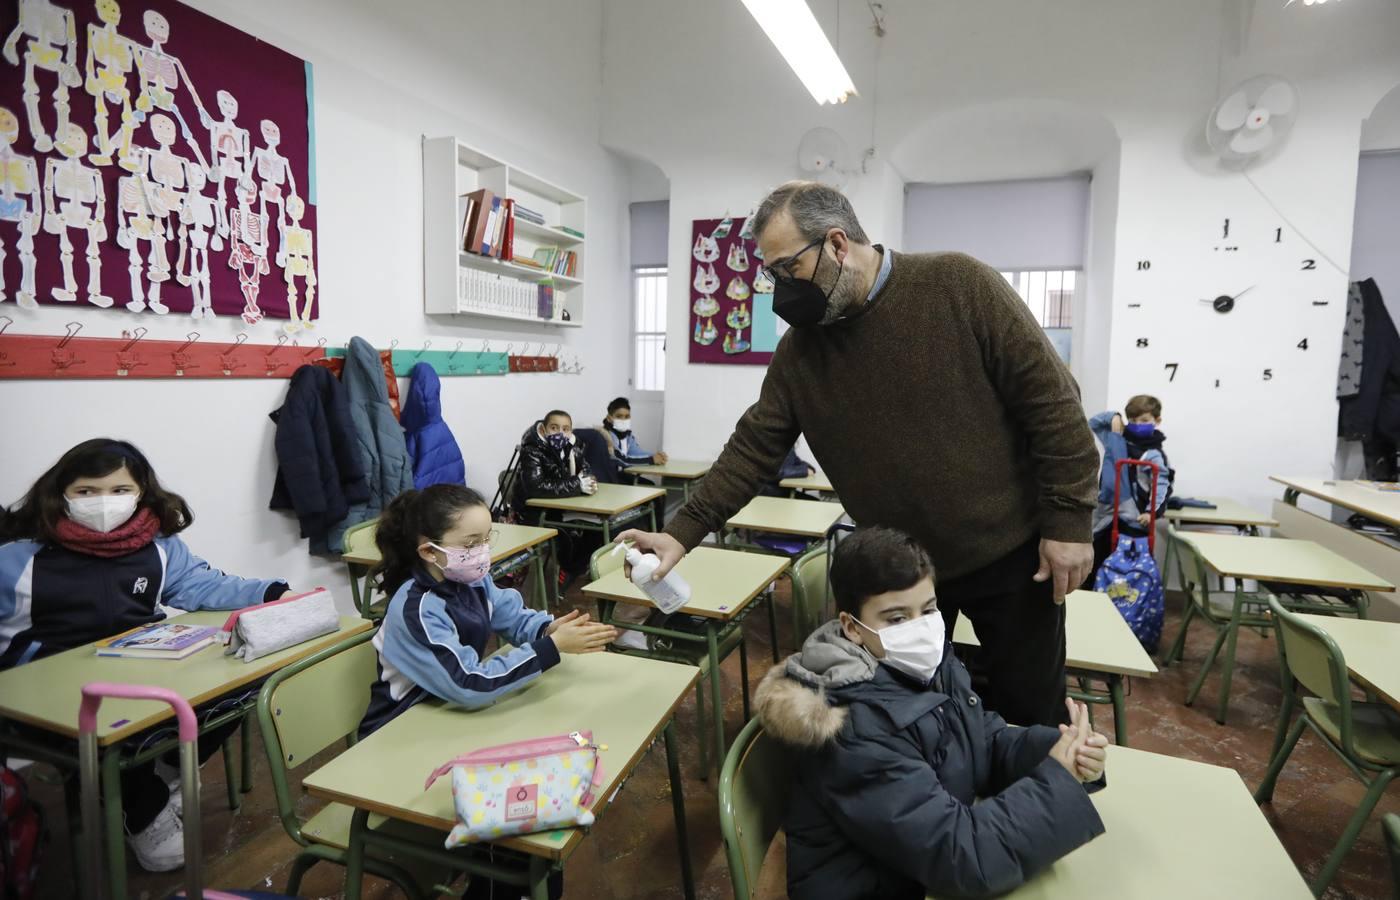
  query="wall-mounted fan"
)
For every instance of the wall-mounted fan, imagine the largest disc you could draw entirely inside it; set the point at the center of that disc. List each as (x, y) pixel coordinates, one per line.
(1253, 119)
(823, 156)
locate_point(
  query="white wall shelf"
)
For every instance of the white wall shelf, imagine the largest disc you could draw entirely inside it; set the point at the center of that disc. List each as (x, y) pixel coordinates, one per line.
(451, 170)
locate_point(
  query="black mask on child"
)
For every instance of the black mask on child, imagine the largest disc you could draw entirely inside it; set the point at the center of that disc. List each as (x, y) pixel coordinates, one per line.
(801, 301)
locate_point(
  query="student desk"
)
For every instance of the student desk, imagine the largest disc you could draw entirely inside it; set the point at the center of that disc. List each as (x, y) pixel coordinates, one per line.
(817, 484)
(1277, 560)
(723, 585)
(810, 519)
(1369, 648)
(1098, 643)
(611, 506)
(45, 695)
(1383, 506)
(1175, 828)
(507, 543)
(1227, 513)
(675, 474)
(626, 702)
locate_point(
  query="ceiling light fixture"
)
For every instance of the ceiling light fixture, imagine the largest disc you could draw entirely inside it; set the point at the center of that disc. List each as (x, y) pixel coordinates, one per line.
(793, 29)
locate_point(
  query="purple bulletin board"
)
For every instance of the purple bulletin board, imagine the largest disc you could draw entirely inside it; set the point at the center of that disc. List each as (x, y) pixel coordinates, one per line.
(199, 195)
(725, 287)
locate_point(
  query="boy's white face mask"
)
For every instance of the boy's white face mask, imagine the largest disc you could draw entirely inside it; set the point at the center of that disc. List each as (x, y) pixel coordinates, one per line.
(914, 647)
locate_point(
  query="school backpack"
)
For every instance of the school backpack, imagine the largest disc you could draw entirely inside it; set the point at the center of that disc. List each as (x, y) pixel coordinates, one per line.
(1130, 579)
(21, 837)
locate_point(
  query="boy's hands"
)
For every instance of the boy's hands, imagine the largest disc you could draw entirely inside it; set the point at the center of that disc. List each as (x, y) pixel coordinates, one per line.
(1080, 749)
(1145, 520)
(577, 633)
(1117, 424)
(661, 458)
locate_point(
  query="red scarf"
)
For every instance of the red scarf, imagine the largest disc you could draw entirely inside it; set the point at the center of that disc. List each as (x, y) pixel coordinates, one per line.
(133, 534)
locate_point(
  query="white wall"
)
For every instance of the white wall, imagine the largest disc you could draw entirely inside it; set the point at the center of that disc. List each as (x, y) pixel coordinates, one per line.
(1153, 71)
(385, 75)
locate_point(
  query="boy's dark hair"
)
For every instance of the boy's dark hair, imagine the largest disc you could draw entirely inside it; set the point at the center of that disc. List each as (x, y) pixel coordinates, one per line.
(1143, 404)
(876, 560)
(556, 412)
(38, 514)
(619, 403)
(428, 513)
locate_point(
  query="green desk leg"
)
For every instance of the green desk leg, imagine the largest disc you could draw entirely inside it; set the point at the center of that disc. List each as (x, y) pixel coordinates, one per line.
(673, 769)
(540, 594)
(245, 753)
(361, 599)
(1290, 496)
(1120, 717)
(773, 620)
(716, 695)
(1228, 665)
(539, 879)
(231, 774)
(355, 855)
(116, 834)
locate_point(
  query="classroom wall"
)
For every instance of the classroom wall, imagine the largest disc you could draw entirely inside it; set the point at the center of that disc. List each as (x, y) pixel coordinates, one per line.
(1170, 197)
(385, 75)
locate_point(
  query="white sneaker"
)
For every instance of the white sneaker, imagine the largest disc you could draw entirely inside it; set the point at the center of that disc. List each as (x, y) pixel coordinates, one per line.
(161, 846)
(631, 640)
(171, 776)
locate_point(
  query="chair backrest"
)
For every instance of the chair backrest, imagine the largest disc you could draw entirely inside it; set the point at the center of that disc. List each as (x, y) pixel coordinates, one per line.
(359, 539)
(308, 706)
(1312, 656)
(810, 590)
(753, 798)
(603, 561)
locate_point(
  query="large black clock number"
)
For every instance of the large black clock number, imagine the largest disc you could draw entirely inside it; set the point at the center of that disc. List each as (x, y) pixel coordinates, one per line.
(1268, 374)
(1303, 344)
(1278, 235)
(1142, 342)
(1144, 265)
(1309, 265)
(1217, 382)
(1225, 232)
(1173, 367)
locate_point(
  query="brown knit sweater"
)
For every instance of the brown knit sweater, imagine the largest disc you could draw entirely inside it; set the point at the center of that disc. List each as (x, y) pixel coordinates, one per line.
(940, 409)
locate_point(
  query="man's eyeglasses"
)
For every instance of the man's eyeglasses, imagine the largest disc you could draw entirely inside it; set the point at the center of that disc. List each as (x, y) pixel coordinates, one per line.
(780, 271)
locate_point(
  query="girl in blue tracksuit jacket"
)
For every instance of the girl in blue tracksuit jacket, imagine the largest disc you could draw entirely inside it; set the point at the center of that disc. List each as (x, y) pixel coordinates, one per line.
(91, 551)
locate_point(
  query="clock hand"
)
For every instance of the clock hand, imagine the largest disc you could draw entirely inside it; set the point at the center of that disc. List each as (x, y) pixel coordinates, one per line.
(1243, 292)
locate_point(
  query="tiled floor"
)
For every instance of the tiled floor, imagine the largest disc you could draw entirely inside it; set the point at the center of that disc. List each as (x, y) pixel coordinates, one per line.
(632, 854)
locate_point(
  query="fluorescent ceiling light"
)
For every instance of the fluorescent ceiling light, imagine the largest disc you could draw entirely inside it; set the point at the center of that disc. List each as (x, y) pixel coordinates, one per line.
(793, 29)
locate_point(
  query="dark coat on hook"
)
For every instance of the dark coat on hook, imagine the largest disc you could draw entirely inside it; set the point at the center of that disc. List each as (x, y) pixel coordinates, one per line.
(378, 436)
(319, 472)
(436, 457)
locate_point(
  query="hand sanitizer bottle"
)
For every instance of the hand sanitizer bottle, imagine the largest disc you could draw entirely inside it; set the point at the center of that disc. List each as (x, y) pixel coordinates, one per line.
(669, 594)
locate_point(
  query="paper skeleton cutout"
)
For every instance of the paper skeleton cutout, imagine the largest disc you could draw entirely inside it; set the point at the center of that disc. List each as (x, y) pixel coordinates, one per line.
(109, 63)
(230, 150)
(160, 80)
(705, 333)
(746, 233)
(197, 224)
(705, 306)
(706, 281)
(738, 317)
(762, 284)
(51, 46)
(274, 170)
(75, 198)
(248, 249)
(706, 249)
(20, 205)
(734, 342)
(738, 259)
(722, 229)
(299, 263)
(738, 289)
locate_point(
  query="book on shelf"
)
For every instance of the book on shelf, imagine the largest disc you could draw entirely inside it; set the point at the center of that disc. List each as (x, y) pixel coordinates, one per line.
(159, 640)
(567, 230)
(528, 261)
(488, 238)
(481, 201)
(507, 248)
(464, 219)
(529, 215)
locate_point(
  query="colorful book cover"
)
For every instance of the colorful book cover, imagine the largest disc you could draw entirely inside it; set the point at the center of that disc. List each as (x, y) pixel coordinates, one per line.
(157, 639)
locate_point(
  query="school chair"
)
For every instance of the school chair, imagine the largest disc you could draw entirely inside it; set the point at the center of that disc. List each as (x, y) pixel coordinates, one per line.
(359, 541)
(1227, 616)
(1365, 735)
(753, 798)
(1391, 826)
(687, 653)
(302, 710)
(810, 592)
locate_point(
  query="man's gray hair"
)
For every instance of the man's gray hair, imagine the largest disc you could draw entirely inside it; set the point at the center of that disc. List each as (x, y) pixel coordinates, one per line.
(815, 208)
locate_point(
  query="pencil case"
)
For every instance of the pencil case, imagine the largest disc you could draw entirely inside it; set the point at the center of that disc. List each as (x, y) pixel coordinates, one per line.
(256, 631)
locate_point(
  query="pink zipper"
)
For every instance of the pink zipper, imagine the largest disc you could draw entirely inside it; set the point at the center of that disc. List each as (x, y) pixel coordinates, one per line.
(522, 750)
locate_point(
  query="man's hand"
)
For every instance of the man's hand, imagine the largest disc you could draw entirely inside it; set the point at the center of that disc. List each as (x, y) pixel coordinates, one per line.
(669, 550)
(1066, 563)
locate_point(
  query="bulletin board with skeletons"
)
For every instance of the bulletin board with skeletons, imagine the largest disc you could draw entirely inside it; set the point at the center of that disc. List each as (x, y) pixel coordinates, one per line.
(155, 161)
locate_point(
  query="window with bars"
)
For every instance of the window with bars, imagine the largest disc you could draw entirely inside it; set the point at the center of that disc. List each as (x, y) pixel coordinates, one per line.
(1049, 294)
(649, 328)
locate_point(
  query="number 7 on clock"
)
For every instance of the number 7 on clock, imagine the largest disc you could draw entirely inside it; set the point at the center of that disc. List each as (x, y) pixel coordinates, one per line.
(1173, 367)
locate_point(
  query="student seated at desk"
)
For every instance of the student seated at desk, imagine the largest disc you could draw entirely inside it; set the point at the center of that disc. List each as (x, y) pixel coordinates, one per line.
(552, 466)
(622, 440)
(436, 564)
(905, 784)
(92, 551)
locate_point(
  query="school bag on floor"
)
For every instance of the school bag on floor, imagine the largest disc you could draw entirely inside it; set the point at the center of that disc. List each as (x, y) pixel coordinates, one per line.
(22, 837)
(1130, 579)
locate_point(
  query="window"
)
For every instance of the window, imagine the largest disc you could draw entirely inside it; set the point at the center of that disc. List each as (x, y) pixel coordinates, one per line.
(1049, 294)
(649, 328)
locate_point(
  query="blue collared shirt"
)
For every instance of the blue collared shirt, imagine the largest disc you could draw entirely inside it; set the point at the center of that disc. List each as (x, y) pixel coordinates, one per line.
(886, 261)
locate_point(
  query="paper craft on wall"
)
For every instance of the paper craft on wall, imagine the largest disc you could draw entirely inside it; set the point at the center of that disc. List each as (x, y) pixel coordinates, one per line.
(109, 153)
(723, 254)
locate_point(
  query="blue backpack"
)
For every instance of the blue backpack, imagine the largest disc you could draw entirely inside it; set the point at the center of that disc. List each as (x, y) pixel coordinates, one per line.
(1130, 579)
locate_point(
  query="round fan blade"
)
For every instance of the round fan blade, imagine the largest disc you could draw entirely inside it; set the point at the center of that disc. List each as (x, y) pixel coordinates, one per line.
(1277, 98)
(1232, 112)
(1249, 142)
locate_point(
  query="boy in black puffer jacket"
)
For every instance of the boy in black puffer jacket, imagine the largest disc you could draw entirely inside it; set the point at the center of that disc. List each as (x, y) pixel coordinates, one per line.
(552, 465)
(892, 749)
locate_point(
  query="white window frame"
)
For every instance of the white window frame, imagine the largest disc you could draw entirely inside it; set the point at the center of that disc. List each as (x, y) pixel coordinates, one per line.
(1012, 276)
(638, 272)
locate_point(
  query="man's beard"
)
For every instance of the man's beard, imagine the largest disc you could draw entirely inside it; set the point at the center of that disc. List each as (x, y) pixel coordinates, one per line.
(844, 296)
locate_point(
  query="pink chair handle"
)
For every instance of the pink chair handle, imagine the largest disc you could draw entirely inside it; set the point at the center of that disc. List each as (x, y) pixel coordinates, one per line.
(95, 691)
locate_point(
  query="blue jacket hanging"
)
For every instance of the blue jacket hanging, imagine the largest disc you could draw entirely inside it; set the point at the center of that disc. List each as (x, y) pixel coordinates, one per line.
(436, 457)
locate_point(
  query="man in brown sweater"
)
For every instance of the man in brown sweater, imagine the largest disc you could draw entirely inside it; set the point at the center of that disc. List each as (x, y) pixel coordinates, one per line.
(936, 405)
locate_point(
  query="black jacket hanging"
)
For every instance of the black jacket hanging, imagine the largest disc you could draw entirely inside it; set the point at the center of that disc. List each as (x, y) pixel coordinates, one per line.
(1375, 409)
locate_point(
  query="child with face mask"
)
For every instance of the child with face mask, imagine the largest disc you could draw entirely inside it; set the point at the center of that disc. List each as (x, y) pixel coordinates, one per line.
(619, 429)
(91, 551)
(905, 785)
(1132, 435)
